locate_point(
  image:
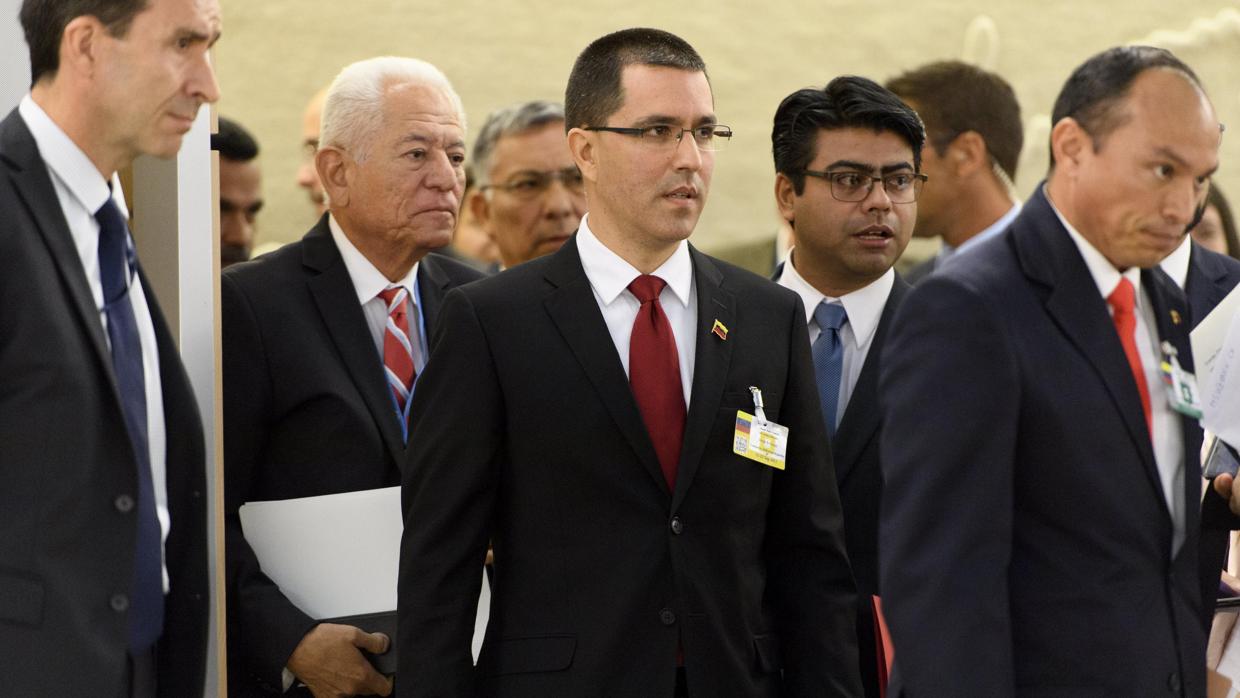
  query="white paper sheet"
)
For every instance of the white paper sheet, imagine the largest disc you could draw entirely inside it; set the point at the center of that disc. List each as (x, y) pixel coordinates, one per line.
(337, 555)
(1208, 337)
(1221, 392)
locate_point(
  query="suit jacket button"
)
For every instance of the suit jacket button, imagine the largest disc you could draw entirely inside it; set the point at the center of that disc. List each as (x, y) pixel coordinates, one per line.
(124, 504)
(1173, 683)
(677, 527)
(119, 603)
(666, 617)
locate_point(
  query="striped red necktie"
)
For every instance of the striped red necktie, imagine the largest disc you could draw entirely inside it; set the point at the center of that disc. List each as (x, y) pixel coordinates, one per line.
(397, 349)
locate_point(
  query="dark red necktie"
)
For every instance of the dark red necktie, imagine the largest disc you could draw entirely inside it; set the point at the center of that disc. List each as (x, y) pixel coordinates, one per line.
(1123, 304)
(654, 374)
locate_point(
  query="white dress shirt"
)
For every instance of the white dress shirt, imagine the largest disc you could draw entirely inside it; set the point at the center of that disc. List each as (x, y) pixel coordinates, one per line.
(610, 276)
(82, 191)
(1168, 437)
(368, 282)
(864, 308)
(1176, 263)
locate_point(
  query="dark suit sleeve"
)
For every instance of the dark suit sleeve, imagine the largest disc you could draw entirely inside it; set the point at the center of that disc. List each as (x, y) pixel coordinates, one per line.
(264, 626)
(810, 584)
(448, 493)
(950, 393)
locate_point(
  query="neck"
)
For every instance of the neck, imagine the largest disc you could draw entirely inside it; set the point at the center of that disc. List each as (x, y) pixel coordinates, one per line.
(644, 258)
(75, 118)
(391, 256)
(818, 274)
(984, 205)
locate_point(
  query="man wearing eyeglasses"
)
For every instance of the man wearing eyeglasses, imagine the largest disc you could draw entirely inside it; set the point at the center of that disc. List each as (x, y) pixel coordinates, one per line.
(656, 532)
(847, 161)
(532, 195)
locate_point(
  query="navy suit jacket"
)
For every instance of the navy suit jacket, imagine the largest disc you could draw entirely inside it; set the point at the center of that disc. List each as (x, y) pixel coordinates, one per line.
(1026, 540)
(307, 411)
(67, 467)
(528, 436)
(1211, 276)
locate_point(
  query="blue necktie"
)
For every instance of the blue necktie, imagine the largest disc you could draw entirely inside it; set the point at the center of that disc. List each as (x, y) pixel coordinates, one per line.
(828, 352)
(116, 261)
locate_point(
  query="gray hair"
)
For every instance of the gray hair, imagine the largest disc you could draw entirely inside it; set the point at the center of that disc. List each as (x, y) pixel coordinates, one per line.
(352, 112)
(509, 121)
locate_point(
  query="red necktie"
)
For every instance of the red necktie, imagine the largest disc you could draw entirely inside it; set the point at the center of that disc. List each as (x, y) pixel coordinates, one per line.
(654, 375)
(397, 350)
(1123, 302)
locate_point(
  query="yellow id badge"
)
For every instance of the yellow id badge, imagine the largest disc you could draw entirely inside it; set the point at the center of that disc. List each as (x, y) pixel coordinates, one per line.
(760, 440)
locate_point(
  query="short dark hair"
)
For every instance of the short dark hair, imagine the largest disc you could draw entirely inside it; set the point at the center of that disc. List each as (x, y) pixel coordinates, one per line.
(234, 142)
(594, 89)
(954, 97)
(846, 102)
(44, 22)
(1093, 95)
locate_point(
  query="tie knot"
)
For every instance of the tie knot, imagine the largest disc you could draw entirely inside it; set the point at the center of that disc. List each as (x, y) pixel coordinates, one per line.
(830, 316)
(1123, 299)
(392, 296)
(647, 288)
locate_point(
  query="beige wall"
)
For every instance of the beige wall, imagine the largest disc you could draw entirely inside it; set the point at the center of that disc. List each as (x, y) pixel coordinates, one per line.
(276, 53)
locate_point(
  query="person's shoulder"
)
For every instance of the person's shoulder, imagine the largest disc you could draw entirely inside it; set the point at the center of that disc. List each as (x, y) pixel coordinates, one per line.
(456, 272)
(1219, 266)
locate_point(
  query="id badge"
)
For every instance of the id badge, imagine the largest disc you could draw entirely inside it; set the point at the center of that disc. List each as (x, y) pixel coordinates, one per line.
(759, 439)
(1181, 385)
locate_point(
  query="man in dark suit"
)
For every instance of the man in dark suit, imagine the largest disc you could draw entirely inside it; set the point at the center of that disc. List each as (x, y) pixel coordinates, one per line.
(1206, 276)
(1041, 489)
(636, 553)
(847, 159)
(103, 560)
(322, 341)
(974, 131)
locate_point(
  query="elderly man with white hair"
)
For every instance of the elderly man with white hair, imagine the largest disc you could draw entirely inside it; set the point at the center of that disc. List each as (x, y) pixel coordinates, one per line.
(323, 341)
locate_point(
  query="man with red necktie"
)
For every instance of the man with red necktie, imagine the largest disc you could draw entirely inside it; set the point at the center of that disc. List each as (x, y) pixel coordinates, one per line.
(323, 340)
(646, 452)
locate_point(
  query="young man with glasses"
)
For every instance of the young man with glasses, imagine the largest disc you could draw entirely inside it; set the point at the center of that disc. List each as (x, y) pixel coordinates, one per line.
(610, 387)
(532, 195)
(847, 159)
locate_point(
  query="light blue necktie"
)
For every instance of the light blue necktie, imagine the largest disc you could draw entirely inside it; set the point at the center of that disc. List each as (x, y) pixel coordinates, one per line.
(828, 352)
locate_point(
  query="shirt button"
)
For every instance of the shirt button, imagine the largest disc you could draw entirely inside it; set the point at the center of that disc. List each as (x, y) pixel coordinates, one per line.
(119, 603)
(666, 617)
(1173, 683)
(124, 504)
(677, 527)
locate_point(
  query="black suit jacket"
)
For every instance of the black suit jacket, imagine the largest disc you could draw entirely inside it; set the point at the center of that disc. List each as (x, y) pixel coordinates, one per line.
(921, 270)
(307, 412)
(528, 435)
(1211, 276)
(1026, 541)
(66, 540)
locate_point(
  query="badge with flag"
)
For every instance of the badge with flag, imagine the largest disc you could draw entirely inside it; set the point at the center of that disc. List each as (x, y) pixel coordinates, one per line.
(719, 330)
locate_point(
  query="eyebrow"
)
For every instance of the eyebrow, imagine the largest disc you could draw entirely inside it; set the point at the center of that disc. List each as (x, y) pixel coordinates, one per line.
(659, 119)
(1173, 156)
(867, 167)
(197, 36)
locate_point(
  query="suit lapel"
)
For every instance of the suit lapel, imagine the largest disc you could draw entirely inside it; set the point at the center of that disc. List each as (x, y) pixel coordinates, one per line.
(1048, 256)
(862, 416)
(710, 368)
(34, 186)
(575, 312)
(432, 285)
(333, 292)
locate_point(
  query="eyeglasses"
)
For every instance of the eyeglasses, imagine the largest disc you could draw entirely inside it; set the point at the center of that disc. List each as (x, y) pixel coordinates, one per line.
(851, 187)
(712, 137)
(528, 185)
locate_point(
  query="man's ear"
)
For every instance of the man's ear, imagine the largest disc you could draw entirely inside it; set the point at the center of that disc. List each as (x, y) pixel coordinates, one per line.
(79, 44)
(1069, 144)
(785, 197)
(967, 154)
(581, 145)
(480, 206)
(335, 172)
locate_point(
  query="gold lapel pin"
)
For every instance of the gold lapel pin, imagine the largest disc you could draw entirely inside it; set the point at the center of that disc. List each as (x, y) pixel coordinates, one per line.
(1175, 317)
(719, 330)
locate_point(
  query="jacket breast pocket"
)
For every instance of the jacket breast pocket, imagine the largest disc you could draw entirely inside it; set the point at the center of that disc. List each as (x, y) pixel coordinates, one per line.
(524, 655)
(21, 599)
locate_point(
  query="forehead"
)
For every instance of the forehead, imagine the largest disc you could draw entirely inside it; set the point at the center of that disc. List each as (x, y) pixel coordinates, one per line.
(415, 106)
(197, 16)
(238, 173)
(1167, 112)
(543, 147)
(861, 145)
(651, 90)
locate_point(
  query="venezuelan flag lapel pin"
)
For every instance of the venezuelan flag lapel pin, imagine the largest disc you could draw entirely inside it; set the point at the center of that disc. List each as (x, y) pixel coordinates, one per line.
(719, 330)
(1175, 317)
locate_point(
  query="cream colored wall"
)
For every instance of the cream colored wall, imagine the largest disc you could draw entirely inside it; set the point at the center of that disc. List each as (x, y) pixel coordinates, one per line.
(276, 53)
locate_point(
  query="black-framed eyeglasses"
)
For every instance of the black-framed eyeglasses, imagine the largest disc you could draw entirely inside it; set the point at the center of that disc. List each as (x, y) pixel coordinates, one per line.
(851, 187)
(532, 183)
(710, 137)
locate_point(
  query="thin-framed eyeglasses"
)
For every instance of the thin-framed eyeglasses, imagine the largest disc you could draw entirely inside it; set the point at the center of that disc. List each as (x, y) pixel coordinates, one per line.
(708, 137)
(532, 183)
(850, 187)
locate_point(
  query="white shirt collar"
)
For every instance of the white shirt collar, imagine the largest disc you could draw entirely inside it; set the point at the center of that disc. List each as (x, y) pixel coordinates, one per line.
(864, 306)
(610, 275)
(1176, 263)
(1105, 275)
(367, 280)
(67, 161)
